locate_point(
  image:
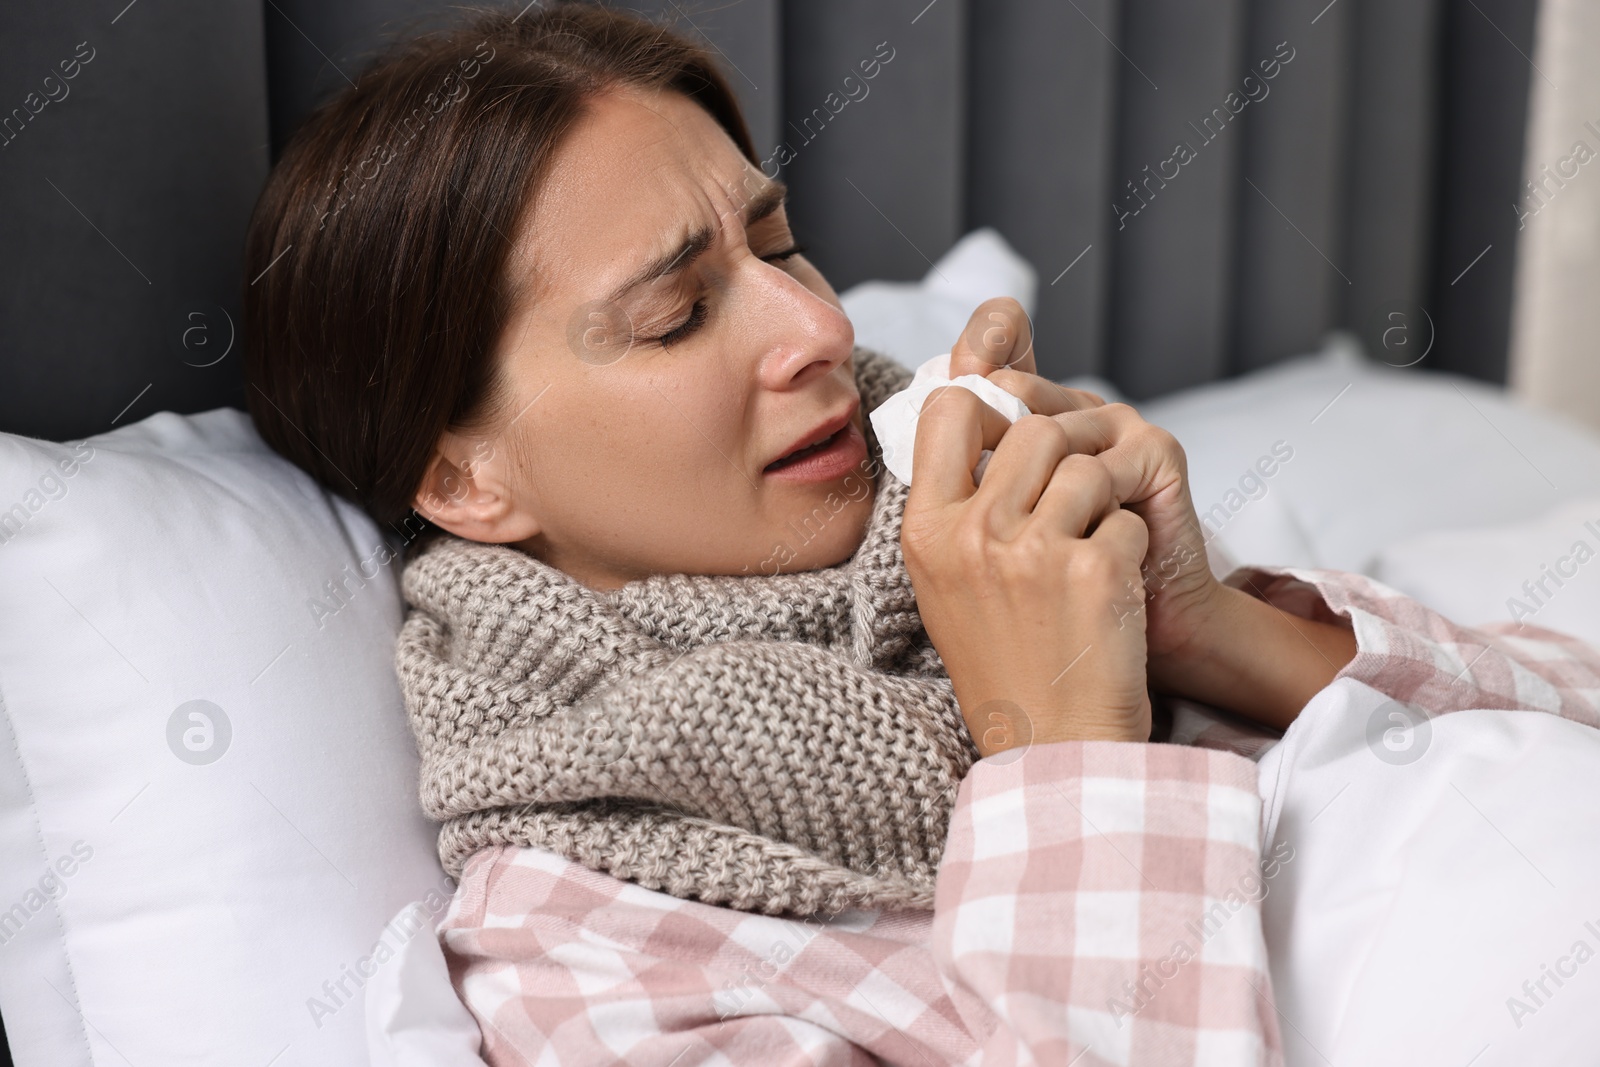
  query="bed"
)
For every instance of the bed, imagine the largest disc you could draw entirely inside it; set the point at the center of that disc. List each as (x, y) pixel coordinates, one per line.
(209, 826)
(209, 838)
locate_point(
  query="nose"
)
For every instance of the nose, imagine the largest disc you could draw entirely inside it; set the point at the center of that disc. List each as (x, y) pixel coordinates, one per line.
(802, 336)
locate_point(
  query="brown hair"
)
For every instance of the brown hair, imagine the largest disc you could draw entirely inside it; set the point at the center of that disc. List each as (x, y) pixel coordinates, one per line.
(377, 251)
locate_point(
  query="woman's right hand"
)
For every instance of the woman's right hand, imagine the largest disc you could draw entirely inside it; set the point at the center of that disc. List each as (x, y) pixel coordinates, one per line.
(1029, 585)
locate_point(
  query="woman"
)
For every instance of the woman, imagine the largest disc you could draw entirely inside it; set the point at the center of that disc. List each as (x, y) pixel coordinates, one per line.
(742, 748)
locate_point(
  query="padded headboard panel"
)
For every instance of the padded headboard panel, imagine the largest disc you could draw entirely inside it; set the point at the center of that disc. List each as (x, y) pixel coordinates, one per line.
(123, 202)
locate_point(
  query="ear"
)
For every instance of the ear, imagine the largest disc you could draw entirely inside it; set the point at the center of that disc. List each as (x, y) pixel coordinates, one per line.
(469, 490)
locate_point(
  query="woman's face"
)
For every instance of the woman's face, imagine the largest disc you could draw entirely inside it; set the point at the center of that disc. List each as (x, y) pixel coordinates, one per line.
(667, 349)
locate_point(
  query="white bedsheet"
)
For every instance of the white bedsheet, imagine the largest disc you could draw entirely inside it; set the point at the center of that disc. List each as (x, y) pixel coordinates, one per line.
(414, 1018)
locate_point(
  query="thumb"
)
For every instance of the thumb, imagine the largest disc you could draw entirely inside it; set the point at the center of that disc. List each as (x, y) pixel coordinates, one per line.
(997, 335)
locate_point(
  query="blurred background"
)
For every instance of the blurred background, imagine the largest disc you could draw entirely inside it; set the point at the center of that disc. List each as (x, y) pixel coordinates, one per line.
(1202, 188)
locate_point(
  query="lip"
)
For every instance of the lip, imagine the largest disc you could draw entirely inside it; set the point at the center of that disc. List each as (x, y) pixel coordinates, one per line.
(846, 450)
(823, 429)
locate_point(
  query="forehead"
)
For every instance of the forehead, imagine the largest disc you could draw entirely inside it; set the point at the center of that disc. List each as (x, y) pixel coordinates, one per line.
(638, 171)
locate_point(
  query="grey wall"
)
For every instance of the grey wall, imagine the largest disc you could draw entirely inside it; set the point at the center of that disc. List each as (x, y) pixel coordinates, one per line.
(1380, 161)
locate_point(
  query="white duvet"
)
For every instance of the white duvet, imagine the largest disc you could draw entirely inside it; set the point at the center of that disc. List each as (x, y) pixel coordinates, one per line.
(1440, 903)
(1443, 901)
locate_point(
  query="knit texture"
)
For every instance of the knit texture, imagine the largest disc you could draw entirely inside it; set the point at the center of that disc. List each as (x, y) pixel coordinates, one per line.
(787, 743)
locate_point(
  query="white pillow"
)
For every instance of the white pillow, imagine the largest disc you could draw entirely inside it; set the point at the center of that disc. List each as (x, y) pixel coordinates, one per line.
(914, 321)
(1375, 455)
(156, 908)
(1542, 572)
(911, 322)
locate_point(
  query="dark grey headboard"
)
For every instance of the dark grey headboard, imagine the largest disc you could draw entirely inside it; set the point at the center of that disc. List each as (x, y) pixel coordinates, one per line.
(1365, 175)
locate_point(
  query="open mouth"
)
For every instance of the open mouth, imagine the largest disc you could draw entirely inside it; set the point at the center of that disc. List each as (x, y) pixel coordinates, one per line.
(834, 456)
(810, 450)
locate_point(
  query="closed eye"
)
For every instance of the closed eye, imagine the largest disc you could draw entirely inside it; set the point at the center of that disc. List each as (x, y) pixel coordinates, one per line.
(787, 253)
(696, 319)
(697, 314)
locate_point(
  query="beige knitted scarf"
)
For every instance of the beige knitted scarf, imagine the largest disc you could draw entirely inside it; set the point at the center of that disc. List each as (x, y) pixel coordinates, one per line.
(784, 743)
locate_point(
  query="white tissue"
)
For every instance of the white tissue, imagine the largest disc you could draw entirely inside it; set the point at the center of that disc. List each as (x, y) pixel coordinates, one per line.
(895, 420)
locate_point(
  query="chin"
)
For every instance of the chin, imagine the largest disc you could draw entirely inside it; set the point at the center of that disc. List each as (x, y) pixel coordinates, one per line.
(827, 536)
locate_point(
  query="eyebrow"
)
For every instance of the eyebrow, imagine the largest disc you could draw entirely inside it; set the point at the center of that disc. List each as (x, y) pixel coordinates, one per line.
(768, 200)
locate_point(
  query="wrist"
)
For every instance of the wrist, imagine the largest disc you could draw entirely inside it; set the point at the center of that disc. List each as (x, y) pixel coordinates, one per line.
(1000, 725)
(1212, 626)
(1249, 657)
(1090, 731)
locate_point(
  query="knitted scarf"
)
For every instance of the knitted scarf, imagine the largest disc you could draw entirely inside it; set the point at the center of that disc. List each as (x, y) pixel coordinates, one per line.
(787, 743)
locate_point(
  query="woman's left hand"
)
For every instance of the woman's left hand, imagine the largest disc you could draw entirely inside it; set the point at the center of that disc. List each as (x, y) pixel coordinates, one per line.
(1148, 468)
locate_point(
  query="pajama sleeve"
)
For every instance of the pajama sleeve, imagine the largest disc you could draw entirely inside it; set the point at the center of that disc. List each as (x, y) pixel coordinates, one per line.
(1098, 903)
(1104, 899)
(1413, 654)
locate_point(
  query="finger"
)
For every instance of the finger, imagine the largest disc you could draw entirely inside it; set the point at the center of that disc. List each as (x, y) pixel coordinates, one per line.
(952, 431)
(1043, 396)
(1117, 434)
(1127, 533)
(1078, 493)
(1097, 428)
(997, 335)
(1021, 467)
